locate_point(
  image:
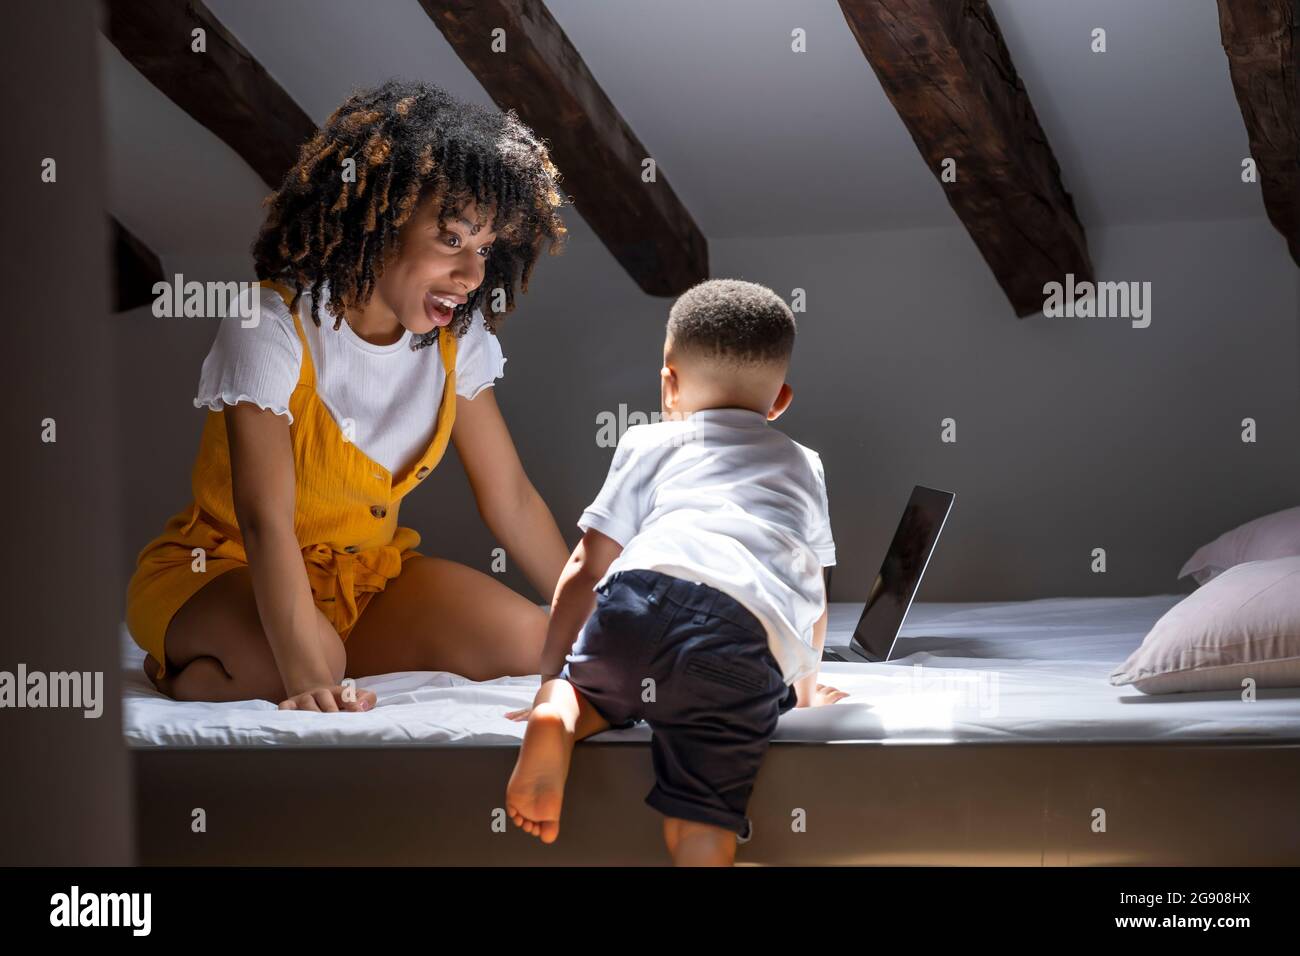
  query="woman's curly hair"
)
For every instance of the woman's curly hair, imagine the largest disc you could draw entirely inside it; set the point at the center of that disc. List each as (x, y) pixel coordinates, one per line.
(412, 143)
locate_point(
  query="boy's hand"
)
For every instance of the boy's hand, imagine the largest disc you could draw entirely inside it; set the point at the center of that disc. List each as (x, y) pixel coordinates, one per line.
(825, 694)
(523, 714)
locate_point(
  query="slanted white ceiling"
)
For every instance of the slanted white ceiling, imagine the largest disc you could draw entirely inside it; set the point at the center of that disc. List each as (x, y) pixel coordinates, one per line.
(755, 139)
(760, 140)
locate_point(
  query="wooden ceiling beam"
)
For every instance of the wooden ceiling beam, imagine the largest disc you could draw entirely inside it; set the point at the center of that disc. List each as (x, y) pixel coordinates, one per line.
(136, 268)
(543, 78)
(1262, 41)
(946, 69)
(223, 88)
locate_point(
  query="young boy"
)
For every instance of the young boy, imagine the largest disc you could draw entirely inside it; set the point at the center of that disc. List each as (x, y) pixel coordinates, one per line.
(705, 548)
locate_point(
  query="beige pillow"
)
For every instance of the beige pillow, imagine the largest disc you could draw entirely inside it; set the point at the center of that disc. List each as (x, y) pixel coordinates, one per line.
(1243, 623)
(1272, 536)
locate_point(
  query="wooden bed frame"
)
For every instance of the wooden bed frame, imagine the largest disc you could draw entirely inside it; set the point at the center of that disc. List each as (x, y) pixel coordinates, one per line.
(1031, 804)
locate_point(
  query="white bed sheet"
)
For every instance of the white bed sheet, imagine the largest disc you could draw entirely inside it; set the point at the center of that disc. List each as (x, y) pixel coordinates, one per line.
(1012, 672)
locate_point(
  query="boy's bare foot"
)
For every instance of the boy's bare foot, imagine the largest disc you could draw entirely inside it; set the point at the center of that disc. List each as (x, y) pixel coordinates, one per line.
(536, 788)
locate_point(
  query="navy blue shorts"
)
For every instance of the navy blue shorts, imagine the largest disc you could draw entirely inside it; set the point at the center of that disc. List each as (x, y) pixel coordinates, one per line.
(693, 664)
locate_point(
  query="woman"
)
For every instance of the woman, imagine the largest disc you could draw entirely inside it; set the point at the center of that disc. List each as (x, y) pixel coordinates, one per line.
(404, 214)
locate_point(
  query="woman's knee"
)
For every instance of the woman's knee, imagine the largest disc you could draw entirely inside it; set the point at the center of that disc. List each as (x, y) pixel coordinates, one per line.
(336, 655)
(221, 622)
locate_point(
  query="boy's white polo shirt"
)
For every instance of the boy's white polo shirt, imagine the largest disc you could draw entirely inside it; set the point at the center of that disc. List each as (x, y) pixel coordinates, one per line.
(725, 499)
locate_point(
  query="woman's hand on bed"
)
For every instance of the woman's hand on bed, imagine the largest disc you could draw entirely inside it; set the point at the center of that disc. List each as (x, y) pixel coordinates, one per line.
(331, 700)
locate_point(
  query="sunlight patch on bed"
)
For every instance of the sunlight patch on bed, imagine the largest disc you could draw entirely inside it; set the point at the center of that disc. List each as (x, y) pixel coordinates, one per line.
(933, 711)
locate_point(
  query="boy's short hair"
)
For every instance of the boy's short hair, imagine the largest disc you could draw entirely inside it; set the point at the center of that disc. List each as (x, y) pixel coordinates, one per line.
(733, 320)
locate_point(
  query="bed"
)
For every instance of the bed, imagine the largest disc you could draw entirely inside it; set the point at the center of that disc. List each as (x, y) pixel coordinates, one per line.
(994, 737)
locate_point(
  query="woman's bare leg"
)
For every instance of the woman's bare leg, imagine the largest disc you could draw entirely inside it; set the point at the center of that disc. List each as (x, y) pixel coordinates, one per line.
(438, 615)
(217, 650)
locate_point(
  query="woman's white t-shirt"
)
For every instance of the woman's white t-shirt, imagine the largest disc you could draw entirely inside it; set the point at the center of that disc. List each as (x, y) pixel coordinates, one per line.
(384, 398)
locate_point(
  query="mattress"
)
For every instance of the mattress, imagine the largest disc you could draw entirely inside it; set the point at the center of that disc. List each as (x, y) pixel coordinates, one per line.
(1022, 672)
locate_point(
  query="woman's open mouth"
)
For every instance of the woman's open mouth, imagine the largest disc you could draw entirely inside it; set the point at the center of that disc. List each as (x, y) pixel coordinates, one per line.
(439, 308)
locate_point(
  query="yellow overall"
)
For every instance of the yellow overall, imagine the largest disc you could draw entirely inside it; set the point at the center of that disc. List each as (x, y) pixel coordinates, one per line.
(345, 513)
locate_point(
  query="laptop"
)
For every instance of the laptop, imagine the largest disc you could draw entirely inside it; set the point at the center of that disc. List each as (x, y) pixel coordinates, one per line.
(900, 576)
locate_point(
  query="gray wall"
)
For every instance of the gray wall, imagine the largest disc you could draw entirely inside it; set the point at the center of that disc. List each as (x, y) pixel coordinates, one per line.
(66, 796)
(1072, 434)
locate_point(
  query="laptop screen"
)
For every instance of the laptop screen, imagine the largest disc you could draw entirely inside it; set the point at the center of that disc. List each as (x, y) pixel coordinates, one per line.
(900, 574)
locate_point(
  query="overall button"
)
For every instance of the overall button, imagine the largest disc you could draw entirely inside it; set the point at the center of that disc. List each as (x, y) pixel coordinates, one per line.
(423, 473)
(352, 549)
(379, 511)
